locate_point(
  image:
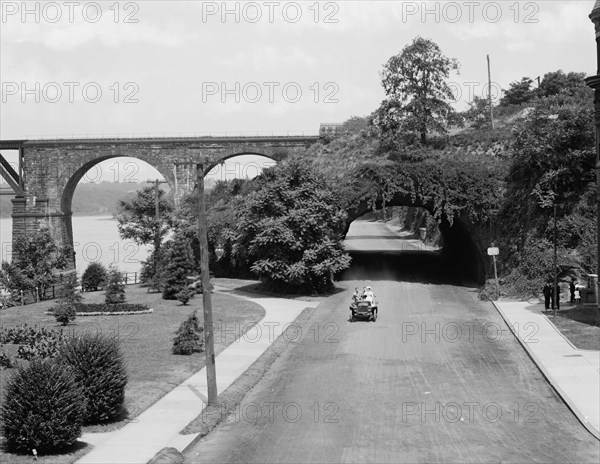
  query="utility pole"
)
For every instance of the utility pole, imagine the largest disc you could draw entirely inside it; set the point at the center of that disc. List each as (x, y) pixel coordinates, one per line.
(209, 345)
(555, 288)
(594, 82)
(157, 216)
(490, 92)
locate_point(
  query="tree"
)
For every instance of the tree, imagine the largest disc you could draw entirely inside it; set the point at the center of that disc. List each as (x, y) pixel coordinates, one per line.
(290, 229)
(179, 265)
(479, 112)
(137, 218)
(557, 82)
(93, 277)
(518, 92)
(68, 298)
(418, 96)
(39, 261)
(115, 288)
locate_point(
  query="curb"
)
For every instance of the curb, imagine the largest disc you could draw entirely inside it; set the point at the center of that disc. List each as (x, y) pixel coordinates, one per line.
(246, 382)
(545, 372)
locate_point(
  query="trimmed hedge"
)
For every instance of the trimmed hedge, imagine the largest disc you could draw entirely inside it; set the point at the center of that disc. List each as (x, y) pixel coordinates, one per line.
(110, 308)
(100, 308)
(43, 409)
(99, 367)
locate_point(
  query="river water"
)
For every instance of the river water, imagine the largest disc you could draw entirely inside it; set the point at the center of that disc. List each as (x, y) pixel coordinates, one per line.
(96, 240)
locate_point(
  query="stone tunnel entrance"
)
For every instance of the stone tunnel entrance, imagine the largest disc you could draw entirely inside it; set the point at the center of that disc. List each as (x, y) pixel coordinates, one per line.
(459, 260)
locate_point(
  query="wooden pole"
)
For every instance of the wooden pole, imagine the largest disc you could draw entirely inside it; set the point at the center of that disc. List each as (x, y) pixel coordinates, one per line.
(157, 216)
(555, 288)
(490, 92)
(211, 374)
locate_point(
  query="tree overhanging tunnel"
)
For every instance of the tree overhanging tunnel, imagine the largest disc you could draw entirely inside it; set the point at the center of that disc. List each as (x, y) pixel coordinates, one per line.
(460, 200)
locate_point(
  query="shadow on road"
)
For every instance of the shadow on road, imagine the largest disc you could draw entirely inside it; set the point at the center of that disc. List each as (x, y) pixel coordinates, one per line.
(407, 266)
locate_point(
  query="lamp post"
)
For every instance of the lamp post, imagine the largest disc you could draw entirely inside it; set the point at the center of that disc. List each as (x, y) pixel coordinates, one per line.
(594, 82)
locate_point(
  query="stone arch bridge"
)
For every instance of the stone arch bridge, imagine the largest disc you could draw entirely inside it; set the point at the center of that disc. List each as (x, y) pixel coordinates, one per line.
(49, 170)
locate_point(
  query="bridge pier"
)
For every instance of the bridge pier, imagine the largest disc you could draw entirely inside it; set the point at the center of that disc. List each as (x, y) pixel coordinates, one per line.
(30, 214)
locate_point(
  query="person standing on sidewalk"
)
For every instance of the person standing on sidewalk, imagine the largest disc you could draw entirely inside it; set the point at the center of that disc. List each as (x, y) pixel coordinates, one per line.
(572, 289)
(547, 290)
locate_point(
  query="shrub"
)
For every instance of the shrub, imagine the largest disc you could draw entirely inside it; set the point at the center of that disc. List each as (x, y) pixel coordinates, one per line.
(94, 277)
(98, 366)
(5, 361)
(34, 342)
(189, 338)
(184, 295)
(115, 288)
(43, 409)
(64, 313)
(179, 264)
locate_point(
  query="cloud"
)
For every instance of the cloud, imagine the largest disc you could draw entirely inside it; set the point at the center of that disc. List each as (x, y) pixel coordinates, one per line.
(269, 57)
(66, 36)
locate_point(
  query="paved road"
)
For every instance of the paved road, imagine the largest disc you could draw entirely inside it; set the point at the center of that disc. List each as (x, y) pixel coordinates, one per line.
(438, 378)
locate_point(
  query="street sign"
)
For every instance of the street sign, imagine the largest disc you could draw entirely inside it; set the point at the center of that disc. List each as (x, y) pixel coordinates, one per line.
(493, 251)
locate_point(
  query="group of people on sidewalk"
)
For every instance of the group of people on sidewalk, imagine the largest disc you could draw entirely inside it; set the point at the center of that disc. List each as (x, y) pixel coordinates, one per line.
(549, 291)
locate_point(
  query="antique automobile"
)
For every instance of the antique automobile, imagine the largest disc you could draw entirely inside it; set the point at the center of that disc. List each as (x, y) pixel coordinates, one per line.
(364, 309)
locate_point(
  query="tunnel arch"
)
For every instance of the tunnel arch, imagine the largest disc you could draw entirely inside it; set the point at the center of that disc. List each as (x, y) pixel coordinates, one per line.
(460, 243)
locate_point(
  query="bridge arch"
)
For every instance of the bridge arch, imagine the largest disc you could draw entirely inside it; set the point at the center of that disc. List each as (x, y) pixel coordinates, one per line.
(273, 157)
(68, 191)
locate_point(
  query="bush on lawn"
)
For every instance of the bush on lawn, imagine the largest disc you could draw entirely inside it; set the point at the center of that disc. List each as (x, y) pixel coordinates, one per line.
(35, 342)
(184, 295)
(190, 337)
(5, 361)
(43, 409)
(115, 288)
(94, 277)
(98, 366)
(64, 313)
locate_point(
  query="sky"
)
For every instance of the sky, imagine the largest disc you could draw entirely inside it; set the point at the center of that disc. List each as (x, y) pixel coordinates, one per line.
(158, 68)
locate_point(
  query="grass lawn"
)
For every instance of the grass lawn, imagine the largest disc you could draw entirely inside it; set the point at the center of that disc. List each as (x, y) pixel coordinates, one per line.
(577, 324)
(146, 341)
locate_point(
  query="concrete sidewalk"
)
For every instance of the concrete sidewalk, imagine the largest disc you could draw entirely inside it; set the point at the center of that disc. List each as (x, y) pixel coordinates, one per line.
(159, 426)
(574, 373)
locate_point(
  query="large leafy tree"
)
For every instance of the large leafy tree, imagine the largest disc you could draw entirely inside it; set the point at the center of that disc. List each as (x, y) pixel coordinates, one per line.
(557, 82)
(518, 92)
(39, 261)
(290, 228)
(137, 218)
(417, 92)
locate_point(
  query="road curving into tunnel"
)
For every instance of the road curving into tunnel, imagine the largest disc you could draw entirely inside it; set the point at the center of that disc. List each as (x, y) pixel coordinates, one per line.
(439, 377)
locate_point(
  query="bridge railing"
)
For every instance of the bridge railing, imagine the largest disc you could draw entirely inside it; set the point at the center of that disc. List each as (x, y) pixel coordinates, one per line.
(174, 135)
